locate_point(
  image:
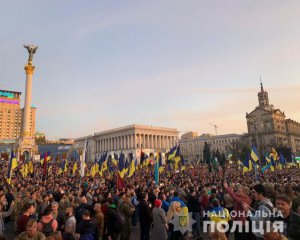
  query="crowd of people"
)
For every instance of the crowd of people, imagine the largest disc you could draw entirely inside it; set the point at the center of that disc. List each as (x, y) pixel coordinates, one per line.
(67, 206)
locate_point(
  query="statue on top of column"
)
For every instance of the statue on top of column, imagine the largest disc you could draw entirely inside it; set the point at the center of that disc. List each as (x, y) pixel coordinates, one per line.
(31, 50)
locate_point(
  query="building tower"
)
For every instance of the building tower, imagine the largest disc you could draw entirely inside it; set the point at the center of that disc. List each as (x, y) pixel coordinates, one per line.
(263, 98)
(26, 146)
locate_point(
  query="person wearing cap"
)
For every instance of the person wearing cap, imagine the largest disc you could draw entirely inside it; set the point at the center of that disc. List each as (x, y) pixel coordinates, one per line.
(159, 222)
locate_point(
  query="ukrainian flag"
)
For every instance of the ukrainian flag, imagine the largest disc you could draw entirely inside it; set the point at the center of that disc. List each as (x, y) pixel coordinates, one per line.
(172, 153)
(270, 163)
(62, 167)
(282, 162)
(30, 167)
(115, 159)
(132, 168)
(48, 156)
(273, 154)
(93, 170)
(247, 165)
(177, 157)
(24, 170)
(12, 164)
(254, 154)
(121, 166)
(75, 168)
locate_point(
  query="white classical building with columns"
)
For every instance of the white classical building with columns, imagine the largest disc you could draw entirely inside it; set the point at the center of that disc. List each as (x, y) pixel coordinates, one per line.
(128, 139)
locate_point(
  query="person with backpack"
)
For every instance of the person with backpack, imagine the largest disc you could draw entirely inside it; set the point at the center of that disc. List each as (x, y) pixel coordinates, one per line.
(263, 212)
(87, 229)
(47, 224)
(112, 221)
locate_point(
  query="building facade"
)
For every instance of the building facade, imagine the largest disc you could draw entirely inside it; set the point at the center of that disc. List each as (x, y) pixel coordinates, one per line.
(11, 117)
(192, 148)
(128, 140)
(268, 127)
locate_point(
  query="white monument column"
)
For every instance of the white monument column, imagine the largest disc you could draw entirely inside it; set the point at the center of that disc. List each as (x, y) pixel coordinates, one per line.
(26, 145)
(29, 69)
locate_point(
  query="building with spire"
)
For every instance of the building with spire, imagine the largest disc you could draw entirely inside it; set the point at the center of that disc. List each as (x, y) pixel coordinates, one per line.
(268, 126)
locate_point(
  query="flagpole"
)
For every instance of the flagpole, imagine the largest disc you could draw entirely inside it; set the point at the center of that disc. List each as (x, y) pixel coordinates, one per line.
(255, 169)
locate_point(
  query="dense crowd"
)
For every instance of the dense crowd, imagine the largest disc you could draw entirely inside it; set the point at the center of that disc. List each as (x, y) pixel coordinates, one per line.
(67, 206)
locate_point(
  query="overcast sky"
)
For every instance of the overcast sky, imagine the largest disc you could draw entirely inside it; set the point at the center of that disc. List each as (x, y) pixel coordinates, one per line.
(180, 64)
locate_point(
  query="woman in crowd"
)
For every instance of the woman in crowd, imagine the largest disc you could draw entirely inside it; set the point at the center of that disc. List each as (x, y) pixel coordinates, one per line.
(159, 222)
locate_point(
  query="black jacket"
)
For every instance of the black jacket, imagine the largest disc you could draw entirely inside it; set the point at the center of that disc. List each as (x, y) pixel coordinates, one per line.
(87, 227)
(144, 213)
(193, 204)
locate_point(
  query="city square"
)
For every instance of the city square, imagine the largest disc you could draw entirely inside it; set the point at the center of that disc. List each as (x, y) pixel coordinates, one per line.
(167, 120)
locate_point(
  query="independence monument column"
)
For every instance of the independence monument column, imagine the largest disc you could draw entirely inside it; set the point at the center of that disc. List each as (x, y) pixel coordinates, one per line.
(27, 146)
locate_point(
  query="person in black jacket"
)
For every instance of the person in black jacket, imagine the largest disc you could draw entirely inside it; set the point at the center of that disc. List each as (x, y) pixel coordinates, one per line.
(145, 217)
(194, 208)
(87, 228)
(111, 226)
(80, 209)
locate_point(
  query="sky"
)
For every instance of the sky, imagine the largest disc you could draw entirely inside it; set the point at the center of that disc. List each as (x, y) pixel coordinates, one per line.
(169, 63)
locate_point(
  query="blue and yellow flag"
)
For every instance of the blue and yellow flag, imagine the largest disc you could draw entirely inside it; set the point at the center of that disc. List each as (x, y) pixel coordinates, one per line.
(11, 166)
(114, 159)
(63, 167)
(75, 167)
(254, 154)
(172, 153)
(121, 165)
(247, 164)
(132, 168)
(30, 166)
(282, 162)
(270, 163)
(274, 154)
